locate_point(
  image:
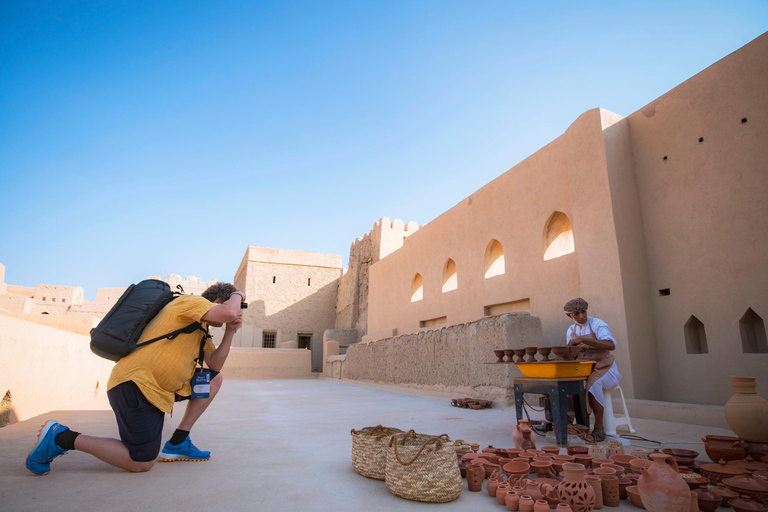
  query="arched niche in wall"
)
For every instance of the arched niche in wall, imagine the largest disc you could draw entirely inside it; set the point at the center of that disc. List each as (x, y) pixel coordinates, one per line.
(752, 328)
(417, 288)
(695, 336)
(450, 276)
(558, 236)
(494, 259)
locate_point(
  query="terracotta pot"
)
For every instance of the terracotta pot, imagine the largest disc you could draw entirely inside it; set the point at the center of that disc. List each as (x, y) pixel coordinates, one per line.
(544, 353)
(517, 434)
(639, 465)
(562, 507)
(528, 441)
(475, 447)
(501, 493)
(531, 353)
(706, 501)
(623, 484)
(475, 476)
(661, 488)
(584, 459)
(723, 447)
(597, 451)
(694, 502)
(747, 412)
(551, 450)
(749, 464)
(754, 486)
(509, 354)
(604, 471)
(614, 448)
(560, 353)
(499, 355)
(719, 472)
(526, 504)
(543, 469)
(492, 486)
(516, 468)
(515, 452)
(574, 490)
(634, 496)
(619, 469)
(533, 489)
(541, 506)
(747, 505)
(610, 486)
(723, 492)
(512, 500)
(758, 450)
(594, 481)
(519, 353)
(639, 453)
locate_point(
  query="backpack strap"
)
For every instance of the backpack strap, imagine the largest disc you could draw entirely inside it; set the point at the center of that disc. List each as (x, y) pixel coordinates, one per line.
(185, 330)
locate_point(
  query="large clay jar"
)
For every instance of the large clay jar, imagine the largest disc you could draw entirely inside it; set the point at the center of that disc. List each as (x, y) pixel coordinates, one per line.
(574, 489)
(475, 476)
(661, 487)
(517, 435)
(747, 412)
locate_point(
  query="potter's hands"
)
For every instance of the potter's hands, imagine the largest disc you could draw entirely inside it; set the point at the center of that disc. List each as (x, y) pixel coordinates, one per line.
(585, 340)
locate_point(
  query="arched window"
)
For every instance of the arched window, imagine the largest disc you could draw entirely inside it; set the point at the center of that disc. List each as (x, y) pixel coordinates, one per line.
(450, 277)
(417, 288)
(494, 259)
(558, 236)
(695, 336)
(752, 329)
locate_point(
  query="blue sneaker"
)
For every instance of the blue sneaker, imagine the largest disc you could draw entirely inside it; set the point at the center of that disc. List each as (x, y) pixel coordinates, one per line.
(45, 449)
(183, 451)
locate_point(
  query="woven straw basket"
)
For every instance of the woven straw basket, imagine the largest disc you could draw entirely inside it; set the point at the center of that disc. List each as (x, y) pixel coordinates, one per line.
(369, 450)
(423, 468)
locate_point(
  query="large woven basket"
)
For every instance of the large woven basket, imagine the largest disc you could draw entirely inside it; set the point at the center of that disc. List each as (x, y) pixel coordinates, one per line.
(423, 468)
(369, 450)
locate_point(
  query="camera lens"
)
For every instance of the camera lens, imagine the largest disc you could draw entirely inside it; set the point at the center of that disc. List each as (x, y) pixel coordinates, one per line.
(243, 305)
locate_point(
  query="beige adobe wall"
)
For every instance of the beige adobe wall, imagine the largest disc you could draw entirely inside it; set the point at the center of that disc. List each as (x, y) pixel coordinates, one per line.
(46, 368)
(446, 360)
(105, 299)
(278, 363)
(48, 294)
(24, 291)
(3, 286)
(705, 216)
(302, 298)
(77, 324)
(192, 285)
(16, 304)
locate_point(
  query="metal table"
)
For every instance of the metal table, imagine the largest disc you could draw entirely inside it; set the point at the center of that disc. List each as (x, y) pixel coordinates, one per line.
(558, 391)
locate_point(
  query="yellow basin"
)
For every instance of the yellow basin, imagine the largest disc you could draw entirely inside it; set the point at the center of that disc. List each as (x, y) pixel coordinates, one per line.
(556, 369)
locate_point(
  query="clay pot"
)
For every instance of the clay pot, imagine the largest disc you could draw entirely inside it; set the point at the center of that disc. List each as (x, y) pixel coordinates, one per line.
(694, 480)
(551, 450)
(716, 473)
(694, 502)
(531, 353)
(746, 505)
(723, 492)
(516, 468)
(623, 461)
(515, 452)
(634, 496)
(562, 507)
(574, 490)
(560, 353)
(749, 464)
(597, 462)
(544, 353)
(543, 469)
(723, 447)
(517, 434)
(463, 469)
(501, 493)
(475, 447)
(526, 503)
(492, 485)
(528, 441)
(594, 481)
(707, 502)
(747, 412)
(639, 465)
(519, 353)
(597, 451)
(584, 459)
(604, 471)
(576, 450)
(754, 486)
(500, 355)
(541, 506)
(475, 476)
(623, 484)
(619, 469)
(758, 450)
(661, 487)
(639, 453)
(613, 448)
(512, 500)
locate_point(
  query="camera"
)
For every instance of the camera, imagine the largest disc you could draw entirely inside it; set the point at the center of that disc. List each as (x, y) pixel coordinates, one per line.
(243, 305)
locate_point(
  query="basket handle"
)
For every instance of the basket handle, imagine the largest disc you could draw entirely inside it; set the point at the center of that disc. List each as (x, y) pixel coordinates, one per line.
(374, 430)
(438, 441)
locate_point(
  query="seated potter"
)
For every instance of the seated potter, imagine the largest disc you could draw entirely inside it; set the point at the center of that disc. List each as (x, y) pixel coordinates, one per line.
(596, 342)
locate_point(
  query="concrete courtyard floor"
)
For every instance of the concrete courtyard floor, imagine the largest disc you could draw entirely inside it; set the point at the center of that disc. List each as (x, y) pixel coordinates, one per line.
(276, 445)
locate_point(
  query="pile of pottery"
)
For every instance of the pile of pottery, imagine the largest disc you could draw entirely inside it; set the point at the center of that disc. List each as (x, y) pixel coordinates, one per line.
(471, 403)
(528, 354)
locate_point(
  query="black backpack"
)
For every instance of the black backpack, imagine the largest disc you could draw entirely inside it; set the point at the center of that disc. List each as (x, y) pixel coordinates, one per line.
(118, 333)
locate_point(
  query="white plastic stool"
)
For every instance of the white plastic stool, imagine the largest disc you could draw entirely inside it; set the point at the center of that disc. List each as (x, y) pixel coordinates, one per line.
(610, 421)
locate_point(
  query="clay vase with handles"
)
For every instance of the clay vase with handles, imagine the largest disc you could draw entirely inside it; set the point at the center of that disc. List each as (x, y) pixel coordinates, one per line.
(661, 487)
(517, 435)
(747, 412)
(574, 490)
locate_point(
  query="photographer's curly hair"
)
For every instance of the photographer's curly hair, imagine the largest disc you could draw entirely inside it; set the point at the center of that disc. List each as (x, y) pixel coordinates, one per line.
(221, 291)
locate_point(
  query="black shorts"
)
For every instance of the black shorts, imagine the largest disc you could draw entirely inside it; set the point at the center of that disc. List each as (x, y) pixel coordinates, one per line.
(139, 422)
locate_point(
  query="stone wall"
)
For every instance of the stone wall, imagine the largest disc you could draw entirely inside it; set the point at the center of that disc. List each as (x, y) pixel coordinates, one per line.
(449, 359)
(262, 363)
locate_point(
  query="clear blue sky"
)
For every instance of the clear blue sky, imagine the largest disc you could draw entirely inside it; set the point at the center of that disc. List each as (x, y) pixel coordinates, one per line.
(141, 138)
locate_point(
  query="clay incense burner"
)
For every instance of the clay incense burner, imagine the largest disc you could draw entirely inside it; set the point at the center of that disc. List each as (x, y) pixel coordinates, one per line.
(544, 353)
(500, 355)
(519, 353)
(531, 353)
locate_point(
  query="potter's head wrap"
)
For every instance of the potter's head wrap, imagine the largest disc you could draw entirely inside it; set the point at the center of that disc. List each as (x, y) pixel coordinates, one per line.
(575, 305)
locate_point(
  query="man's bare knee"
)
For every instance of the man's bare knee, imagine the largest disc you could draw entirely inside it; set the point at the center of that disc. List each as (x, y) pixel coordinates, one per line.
(140, 467)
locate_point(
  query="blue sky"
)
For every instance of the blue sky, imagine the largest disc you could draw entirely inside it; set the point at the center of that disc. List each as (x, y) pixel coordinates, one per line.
(141, 138)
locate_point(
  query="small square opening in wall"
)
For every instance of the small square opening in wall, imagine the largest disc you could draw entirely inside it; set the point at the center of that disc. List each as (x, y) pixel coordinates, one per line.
(274, 279)
(664, 292)
(268, 340)
(309, 279)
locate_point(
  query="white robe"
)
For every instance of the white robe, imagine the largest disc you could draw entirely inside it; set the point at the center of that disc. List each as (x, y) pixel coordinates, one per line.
(611, 379)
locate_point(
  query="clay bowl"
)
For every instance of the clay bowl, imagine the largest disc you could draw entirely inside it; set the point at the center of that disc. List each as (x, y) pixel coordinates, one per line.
(694, 480)
(723, 492)
(599, 462)
(542, 458)
(564, 458)
(535, 452)
(560, 353)
(623, 460)
(542, 469)
(519, 353)
(749, 465)
(576, 450)
(509, 353)
(638, 465)
(724, 447)
(585, 459)
(516, 468)
(544, 353)
(531, 353)
(679, 452)
(500, 355)
(602, 470)
(619, 469)
(709, 504)
(634, 496)
(514, 452)
(746, 505)
(552, 450)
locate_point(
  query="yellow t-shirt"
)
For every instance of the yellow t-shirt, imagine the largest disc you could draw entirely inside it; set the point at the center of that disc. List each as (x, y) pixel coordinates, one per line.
(164, 368)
